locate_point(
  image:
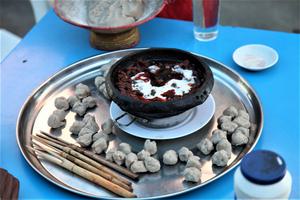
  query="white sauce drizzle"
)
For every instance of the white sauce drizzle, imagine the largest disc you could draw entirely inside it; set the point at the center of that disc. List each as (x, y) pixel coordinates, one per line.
(143, 84)
(153, 69)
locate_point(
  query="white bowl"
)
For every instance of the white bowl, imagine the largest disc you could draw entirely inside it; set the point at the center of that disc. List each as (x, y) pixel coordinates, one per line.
(255, 57)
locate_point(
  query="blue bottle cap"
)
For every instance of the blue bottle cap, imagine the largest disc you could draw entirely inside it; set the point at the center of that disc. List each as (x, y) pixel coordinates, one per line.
(263, 167)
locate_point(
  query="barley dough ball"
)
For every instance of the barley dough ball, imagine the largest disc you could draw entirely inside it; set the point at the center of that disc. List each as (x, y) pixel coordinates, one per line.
(92, 125)
(107, 126)
(231, 111)
(143, 154)
(85, 131)
(76, 127)
(82, 91)
(192, 174)
(224, 145)
(109, 155)
(54, 121)
(119, 157)
(238, 138)
(124, 147)
(240, 121)
(85, 140)
(220, 158)
(130, 158)
(218, 135)
(229, 127)
(72, 100)
(89, 102)
(170, 157)
(224, 118)
(100, 134)
(138, 167)
(99, 145)
(245, 131)
(193, 161)
(184, 154)
(61, 103)
(205, 146)
(79, 108)
(60, 113)
(152, 165)
(150, 146)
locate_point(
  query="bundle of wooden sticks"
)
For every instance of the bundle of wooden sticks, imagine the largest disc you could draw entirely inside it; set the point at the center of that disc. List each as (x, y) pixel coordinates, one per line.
(83, 163)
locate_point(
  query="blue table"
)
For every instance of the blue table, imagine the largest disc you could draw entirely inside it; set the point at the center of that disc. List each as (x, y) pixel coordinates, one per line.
(53, 44)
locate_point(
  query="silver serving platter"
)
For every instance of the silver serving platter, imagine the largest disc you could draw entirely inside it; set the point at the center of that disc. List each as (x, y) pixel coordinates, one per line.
(229, 89)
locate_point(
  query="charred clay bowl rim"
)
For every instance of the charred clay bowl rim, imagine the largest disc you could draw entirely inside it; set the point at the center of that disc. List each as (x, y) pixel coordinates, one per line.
(154, 110)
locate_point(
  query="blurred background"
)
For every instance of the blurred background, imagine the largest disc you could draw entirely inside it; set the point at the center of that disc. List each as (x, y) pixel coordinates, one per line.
(17, 17)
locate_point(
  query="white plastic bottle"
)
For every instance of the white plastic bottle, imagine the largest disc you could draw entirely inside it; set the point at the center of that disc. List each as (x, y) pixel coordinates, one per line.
(262, 175)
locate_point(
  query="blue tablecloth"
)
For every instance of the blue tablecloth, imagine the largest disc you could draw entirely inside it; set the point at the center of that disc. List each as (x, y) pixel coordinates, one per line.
(53, 44)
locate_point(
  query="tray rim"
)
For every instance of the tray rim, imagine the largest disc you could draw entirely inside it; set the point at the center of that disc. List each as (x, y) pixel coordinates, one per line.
(64, 186)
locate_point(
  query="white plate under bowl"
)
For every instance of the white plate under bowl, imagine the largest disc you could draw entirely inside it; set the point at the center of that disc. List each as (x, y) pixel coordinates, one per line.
(200, 116)
(255, 57)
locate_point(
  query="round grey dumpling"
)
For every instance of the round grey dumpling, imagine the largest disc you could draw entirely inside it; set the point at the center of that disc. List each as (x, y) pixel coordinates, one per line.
(205, 146)
(72, 100)
(99, 80)
(109, 155)
(107, 126)
(192, 174)
(220, 158)
(238, 138)
(88, 117)
(61, 103)
(79, 108)
(138, 167)
(224, 118)
(61, 114)
(82, 91)
(193, 161)
(218, 135)
(130, 158)
(231, 111)
(229, 127)
(92, 125)
(100, 134)
(119, 157)
(150, 146)
(184, 154)
(85, 131)
(240, 121)
(124, 147)
(244, 114)
(143, 154)
(103, 90)
(85, 140)
(89, 102)
(245, 131)
(152, 165)
(99, 145)
(54, 121)
(170, 157)
(224, 145)
(76, 127)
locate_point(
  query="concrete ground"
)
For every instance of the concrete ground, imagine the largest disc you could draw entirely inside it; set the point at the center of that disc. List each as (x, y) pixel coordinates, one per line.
(281, 15)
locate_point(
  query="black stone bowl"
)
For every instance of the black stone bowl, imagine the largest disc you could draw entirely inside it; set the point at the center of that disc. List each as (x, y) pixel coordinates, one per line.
(156, 109)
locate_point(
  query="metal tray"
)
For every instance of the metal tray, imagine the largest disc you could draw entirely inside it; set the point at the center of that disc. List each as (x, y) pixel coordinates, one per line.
(229, 89)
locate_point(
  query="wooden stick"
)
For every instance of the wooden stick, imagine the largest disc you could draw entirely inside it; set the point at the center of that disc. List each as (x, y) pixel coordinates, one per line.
(83, 158)
(94, 156)
(56, 159)
(85, 165)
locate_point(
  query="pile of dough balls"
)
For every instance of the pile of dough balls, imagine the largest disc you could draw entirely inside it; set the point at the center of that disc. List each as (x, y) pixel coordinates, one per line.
(88, 133)
(79, 103)
(234, 124)
(141, 162)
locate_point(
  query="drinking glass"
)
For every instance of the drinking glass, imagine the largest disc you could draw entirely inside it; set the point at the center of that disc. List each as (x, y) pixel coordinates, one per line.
(206, 19)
